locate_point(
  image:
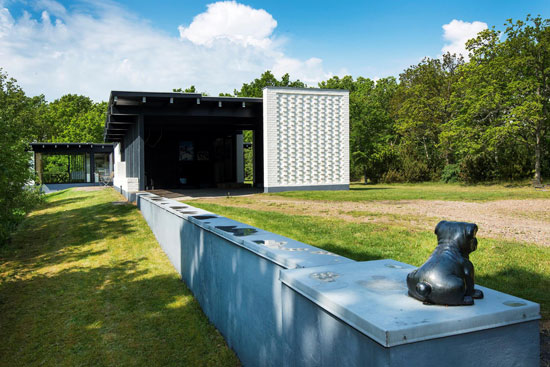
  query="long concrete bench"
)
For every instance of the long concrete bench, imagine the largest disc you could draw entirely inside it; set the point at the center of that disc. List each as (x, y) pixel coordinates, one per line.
(280, 302)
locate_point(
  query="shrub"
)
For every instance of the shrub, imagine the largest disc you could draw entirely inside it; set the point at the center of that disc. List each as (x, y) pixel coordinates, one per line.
(451, 173)
(415, 171)
(476, 169)
(393, 176)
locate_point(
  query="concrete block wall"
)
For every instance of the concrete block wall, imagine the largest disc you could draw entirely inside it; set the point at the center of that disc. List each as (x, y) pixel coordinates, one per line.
(233, 271)
(280, 302)
(306, 139)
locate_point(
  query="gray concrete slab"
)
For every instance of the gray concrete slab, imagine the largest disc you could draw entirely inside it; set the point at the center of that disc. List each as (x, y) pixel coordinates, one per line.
(372, 297)
(190, 194)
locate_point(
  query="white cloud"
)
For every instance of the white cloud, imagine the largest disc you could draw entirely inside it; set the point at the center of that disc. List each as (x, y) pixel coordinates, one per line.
(229, 20)
(51, 6)
(104, 48)
(457, 32)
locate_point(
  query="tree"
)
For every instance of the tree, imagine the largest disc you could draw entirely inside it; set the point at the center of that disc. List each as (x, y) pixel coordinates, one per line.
(75, 118)
(503, 110)
(372, 139)
(267, 79)
(18, 115)
(422, 106)
(191, 89)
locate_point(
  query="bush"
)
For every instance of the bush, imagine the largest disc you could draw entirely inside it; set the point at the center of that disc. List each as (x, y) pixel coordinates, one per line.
(415, 171)
(476, 169)
(451, 173)
(393, 176)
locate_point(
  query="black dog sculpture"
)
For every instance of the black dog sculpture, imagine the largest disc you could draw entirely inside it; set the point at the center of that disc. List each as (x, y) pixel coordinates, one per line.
(447, 278)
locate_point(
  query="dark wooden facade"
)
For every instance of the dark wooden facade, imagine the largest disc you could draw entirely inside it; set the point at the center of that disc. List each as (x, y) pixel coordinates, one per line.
(149, 126)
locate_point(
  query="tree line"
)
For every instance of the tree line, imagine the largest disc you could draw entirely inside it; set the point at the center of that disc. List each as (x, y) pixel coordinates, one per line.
(445, 118)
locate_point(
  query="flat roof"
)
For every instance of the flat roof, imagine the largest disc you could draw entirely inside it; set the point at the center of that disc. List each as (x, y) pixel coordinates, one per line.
(184, 108)
(175, 95)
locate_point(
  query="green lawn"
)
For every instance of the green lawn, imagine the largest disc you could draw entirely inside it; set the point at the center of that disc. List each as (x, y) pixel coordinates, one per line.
(518, 269)
(426, 191)
(84, 283)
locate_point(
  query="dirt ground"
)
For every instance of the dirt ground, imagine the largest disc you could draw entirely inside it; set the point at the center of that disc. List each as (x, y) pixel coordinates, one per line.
(519, 220)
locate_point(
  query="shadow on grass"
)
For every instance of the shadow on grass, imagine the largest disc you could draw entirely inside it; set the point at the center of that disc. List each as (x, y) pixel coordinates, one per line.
(357, 254)
(107, 315)
(521, 283)
(61, 202)
(65, 304)
(58, 236)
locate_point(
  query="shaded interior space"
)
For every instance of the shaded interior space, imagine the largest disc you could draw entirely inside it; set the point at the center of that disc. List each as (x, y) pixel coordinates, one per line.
(72, 163)
(186, 140)
(193, 153)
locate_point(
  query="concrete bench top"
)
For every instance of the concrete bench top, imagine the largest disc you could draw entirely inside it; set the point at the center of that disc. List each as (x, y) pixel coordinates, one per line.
(372, 297)
(283, 251)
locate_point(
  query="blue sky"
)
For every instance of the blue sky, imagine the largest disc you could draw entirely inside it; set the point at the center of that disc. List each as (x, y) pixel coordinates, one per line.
(92, 47)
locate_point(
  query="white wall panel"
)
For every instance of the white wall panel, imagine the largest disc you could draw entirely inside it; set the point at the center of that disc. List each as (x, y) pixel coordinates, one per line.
(306, 139)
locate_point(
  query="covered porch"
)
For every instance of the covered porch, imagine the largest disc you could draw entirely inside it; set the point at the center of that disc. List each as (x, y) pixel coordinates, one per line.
(184, 140)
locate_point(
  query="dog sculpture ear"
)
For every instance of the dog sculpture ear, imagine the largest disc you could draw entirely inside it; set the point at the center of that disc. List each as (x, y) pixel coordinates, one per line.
(438, 227)
(471, 230)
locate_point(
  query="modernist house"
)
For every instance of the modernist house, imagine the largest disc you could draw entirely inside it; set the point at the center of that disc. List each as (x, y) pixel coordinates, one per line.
(183, 140)
(300, 140)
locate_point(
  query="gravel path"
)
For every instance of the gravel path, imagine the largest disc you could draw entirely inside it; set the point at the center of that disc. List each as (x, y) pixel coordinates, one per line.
(519, 220)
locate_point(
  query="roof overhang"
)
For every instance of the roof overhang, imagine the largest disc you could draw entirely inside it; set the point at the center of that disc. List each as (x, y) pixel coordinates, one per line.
(126, 106)
(71, 148)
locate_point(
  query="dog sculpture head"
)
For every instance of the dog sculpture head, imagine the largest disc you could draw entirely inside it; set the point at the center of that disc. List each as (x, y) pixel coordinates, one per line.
(461, 234)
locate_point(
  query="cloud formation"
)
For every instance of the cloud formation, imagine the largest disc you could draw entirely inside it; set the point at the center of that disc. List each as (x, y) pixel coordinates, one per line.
(101, 48)
(230, 21)
(457, 32)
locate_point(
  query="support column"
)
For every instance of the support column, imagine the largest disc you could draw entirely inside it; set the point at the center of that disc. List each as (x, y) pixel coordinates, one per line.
(239, 156)
(258, 157)
(141, 151)
(92, 167)
(38, 166)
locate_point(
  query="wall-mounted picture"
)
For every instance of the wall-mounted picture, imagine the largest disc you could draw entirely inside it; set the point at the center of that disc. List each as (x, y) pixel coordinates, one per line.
(187, 151)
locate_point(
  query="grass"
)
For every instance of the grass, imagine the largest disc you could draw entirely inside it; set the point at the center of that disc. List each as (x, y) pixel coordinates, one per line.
(510, 267)
(425, 191)
(84, 283)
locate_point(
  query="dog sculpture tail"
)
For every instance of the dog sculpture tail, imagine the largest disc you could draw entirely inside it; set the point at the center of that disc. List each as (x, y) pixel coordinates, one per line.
(423, 289)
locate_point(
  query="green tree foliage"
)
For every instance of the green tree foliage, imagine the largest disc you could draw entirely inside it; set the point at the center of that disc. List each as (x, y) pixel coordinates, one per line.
(74, 118)
(502, 108)
(18, 117)
(372, 136)
(267, 79)
(191, 89)
(422, 106)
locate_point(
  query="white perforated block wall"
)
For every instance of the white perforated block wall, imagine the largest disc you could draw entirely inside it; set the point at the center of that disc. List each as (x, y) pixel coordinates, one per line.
(306, 139)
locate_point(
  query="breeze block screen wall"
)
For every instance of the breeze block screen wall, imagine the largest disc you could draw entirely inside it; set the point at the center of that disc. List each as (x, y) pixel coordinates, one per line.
(306, 139)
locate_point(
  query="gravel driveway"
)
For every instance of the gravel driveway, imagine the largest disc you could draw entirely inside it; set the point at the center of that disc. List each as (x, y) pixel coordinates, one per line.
(520, 220)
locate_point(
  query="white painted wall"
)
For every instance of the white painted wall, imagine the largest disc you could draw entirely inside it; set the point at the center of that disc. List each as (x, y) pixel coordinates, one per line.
(306, 139)
(128, 184)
